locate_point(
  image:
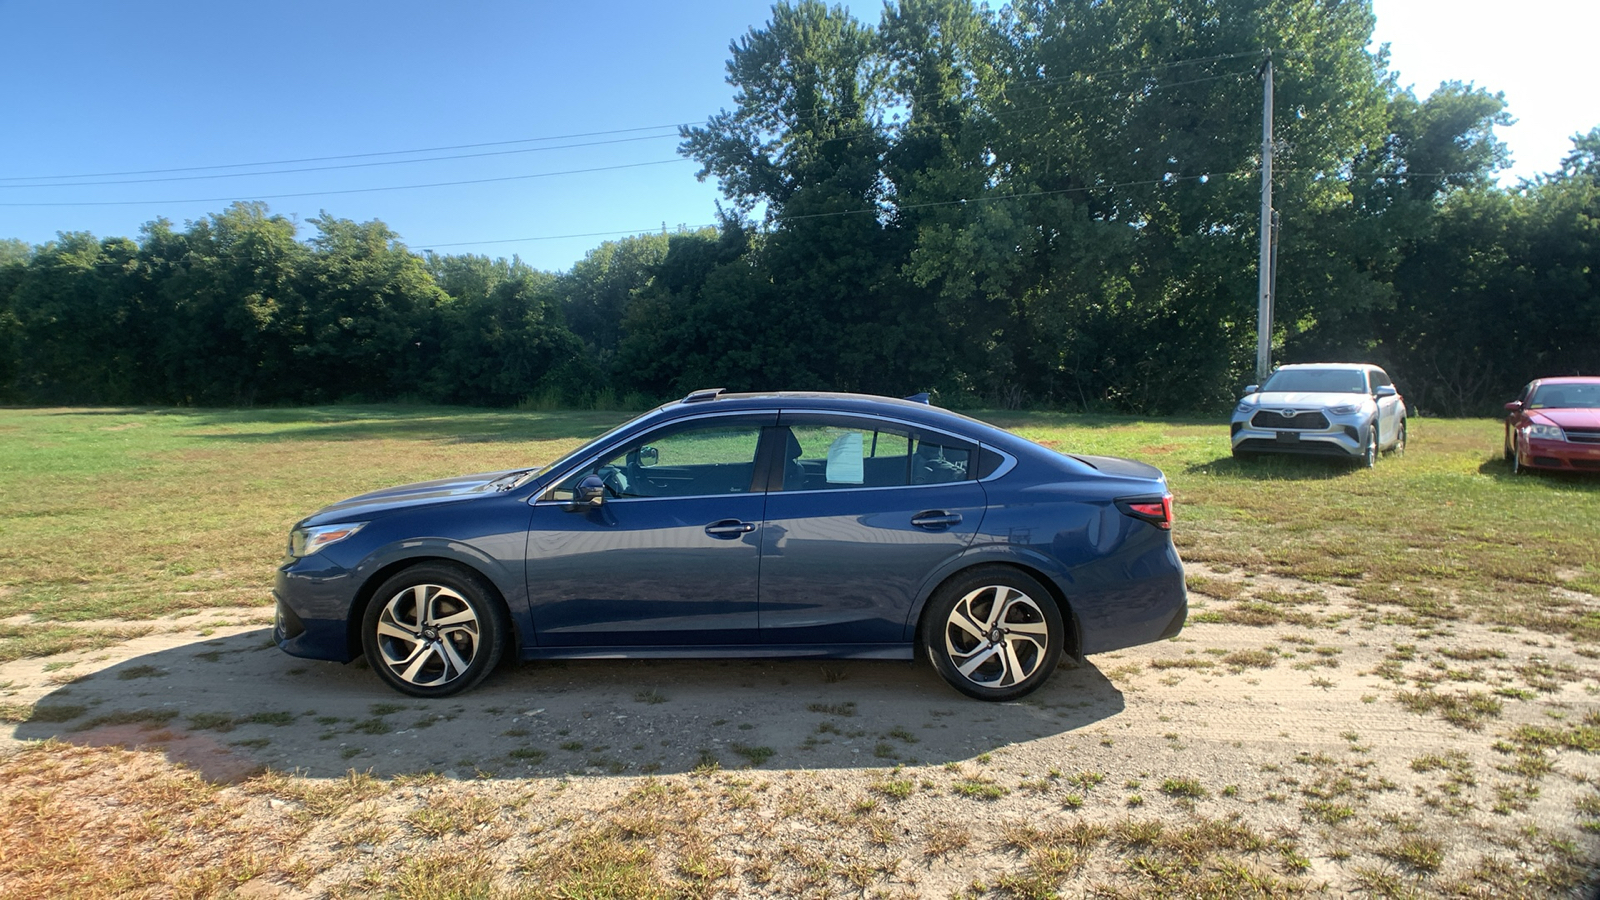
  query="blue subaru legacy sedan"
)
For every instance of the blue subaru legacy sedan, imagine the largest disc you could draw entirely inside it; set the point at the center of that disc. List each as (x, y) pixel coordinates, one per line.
(772, 525)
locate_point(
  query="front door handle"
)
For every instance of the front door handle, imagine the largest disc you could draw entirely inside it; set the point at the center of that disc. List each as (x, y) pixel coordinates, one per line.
(728, 528)
(935, 519)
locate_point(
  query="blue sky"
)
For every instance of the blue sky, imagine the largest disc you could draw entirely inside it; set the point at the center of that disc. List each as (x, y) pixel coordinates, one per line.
(119, 88)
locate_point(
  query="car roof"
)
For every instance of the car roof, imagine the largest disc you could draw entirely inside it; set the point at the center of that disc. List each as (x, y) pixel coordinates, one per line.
(1332, 365)
(713, 400)
(1569, 379)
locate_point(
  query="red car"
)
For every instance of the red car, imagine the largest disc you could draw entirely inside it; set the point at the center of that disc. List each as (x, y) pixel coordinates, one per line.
(1555, 424)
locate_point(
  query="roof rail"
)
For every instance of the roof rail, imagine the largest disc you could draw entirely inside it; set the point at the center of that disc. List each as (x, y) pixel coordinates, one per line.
(707, 394)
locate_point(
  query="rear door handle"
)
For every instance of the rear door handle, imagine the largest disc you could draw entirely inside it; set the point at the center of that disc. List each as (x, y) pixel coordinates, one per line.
(728, 528)
(935, 519)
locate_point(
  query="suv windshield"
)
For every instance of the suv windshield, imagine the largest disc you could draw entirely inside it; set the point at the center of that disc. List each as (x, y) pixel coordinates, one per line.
(1321, 381)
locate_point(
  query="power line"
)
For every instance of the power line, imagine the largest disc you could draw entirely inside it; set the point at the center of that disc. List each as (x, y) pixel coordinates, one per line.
(472, 146)
(922, 123)
(1164, 181)
(397, 187)
(286, 162)
(387, 162)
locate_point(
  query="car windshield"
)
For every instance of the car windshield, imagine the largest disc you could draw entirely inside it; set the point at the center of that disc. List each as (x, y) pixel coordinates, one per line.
(1566, 396)
(1318, 381)
(574, 454)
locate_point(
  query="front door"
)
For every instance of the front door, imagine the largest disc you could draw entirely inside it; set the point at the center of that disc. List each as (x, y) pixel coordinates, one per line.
(669, 557)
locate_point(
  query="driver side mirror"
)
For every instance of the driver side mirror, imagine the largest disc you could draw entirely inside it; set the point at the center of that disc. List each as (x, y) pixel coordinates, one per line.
(1251, 389)
(589, 494)
(1514, 406)
(649, 456)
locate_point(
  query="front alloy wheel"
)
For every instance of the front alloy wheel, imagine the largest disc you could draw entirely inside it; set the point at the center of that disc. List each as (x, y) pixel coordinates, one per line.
(433, 631)
(994, 634)
(1369, 454)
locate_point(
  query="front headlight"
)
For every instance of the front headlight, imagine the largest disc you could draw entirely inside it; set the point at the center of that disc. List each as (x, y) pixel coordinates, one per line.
(1349, 409)
(308, 540)
(1244, 406)
(1548, 432)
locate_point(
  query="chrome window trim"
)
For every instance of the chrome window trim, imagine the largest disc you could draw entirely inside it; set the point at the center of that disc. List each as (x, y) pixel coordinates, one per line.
(1007, 461)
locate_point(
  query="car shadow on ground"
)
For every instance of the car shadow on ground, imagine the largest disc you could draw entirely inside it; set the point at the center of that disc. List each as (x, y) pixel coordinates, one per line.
(236, 706)
(1497, 467)
(1267, 467)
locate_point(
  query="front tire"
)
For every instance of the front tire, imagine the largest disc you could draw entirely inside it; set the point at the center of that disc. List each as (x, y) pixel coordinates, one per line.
(1369, 453)
(434, 630)
(993, 633)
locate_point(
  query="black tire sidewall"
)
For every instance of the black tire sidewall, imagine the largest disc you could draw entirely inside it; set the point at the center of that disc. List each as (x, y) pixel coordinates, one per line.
(493, 628)
(950, 593)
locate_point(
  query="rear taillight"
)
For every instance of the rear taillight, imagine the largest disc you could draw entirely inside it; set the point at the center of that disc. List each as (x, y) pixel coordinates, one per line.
(1156, 512)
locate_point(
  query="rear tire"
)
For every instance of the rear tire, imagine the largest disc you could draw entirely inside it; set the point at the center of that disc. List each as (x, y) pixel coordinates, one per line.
(993, 633)
(1399, 448)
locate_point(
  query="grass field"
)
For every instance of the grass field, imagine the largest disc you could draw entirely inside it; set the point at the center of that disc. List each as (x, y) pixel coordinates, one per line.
(130, 514)
(116, 520)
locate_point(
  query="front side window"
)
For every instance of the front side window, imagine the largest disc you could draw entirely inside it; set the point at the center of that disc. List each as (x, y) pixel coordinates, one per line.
(688, 461)
(836, 455)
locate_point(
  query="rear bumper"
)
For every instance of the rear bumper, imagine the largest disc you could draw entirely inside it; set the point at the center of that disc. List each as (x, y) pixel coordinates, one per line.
(1148, 609)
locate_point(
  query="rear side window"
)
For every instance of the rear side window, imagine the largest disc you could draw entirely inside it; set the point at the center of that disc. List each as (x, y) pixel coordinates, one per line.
(839, 454)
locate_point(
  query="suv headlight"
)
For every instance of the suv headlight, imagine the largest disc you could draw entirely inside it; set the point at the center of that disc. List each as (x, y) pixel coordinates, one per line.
(307, 540)
(1244, 406)
(1549, 432)
(1348, 409)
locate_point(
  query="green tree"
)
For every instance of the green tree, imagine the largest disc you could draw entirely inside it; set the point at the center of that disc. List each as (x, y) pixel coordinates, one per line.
(364, 326)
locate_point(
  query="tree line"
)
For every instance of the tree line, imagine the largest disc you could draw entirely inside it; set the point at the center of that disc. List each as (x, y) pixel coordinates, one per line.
(1054, 204)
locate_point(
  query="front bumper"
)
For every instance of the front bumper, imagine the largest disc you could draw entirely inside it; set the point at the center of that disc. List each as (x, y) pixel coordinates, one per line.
(1341, 437)
(312, 618)
(1561, 456)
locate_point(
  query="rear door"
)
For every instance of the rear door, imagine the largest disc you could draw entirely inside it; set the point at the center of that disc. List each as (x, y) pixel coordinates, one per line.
(866, 510)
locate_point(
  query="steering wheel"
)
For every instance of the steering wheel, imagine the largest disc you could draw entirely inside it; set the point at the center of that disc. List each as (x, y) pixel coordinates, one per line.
(615, 482)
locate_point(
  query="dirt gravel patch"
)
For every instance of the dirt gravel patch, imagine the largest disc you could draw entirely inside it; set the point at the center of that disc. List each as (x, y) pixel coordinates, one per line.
(1292, 740)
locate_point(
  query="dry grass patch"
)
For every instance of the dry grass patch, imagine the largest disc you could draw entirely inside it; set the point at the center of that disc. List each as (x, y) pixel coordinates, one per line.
(97, 822)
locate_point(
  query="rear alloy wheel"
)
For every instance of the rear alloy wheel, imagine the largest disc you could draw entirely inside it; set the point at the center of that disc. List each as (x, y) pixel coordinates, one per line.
(993, 633)
(1399, 448)
(433, 630)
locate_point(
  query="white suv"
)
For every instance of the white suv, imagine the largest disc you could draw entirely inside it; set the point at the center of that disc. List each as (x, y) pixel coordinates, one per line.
(1348, 410)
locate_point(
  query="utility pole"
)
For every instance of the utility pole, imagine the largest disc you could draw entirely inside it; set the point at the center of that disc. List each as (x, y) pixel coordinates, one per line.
(1265, 268)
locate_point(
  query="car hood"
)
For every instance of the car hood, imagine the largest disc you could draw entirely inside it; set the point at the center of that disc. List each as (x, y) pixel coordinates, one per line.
(443, 490)
(1569, 418)
(1307, 399)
